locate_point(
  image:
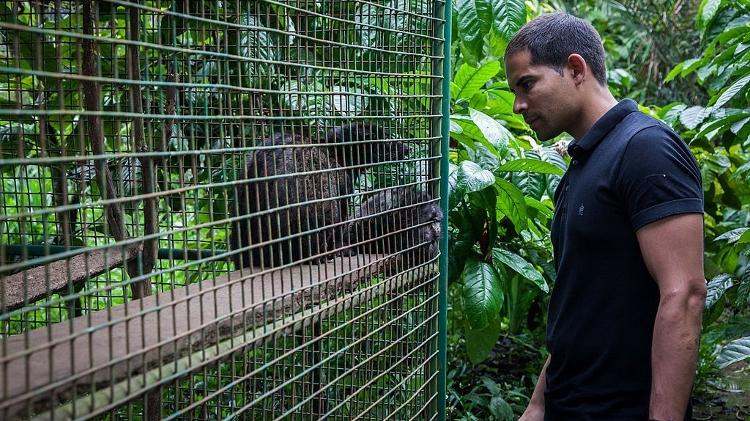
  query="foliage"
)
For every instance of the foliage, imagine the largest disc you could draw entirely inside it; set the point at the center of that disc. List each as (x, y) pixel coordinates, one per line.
(719, 135)
(501, 178)
(643, 40)
(501, 183)
(198, 161)
(499, 253)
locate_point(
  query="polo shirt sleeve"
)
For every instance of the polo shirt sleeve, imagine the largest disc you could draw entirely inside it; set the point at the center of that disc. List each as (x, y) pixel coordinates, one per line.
(659, 177)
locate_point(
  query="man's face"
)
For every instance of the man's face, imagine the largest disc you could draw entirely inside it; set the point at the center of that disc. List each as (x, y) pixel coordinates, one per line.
(544, 97)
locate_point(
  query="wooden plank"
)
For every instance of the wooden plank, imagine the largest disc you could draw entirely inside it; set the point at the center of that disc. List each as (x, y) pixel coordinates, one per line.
(39, 282)
(93, 404)
(44, 365)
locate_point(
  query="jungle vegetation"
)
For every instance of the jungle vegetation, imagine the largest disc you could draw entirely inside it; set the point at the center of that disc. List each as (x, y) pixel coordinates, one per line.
(686, 62)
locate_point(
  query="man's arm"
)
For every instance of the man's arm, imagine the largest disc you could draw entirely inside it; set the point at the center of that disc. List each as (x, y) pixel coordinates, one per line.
(535, 410)
(672, 249)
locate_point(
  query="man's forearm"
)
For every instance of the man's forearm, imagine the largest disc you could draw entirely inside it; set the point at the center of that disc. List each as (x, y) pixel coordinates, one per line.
(537, 397)
(535, 410)
(674, 353)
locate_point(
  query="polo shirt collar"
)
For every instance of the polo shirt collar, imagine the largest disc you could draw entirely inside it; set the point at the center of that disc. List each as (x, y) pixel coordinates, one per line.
(581, 149)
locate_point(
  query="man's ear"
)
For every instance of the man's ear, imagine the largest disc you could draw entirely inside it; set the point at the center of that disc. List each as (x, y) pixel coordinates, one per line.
(578, 68)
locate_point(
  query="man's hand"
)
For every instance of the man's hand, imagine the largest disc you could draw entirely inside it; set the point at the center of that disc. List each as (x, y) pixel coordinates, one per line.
(672, 249)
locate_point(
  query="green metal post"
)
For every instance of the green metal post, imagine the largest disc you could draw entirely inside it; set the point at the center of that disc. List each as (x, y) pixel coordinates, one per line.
(443, 286)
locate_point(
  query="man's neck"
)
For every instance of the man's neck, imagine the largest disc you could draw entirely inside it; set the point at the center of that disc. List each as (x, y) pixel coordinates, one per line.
(592, 111)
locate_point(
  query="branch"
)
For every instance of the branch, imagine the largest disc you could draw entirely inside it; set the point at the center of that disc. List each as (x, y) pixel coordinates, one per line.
(115, 220)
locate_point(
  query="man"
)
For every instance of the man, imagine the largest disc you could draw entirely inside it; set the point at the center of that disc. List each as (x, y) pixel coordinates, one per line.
(625, 312)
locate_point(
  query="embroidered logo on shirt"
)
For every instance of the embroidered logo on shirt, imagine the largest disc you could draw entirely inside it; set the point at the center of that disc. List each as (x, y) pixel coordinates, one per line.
(580, 210)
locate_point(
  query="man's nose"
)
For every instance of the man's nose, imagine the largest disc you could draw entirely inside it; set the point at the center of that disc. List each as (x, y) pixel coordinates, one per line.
(519, 105)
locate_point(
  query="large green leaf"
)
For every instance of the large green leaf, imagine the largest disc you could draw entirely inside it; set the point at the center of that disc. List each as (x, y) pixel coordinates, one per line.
(473, 19)
(520, 265)
(470, 177)
(469, 80)
(492, 130)
(737, 127)
(693, 116)
(510, 201)
(367, 20)
(716, 288)
(348, 101)
(713, 166)
(531, 185)
(531, 165)
(737, 350)
(732, 236)
(676, 70)
(720, 125)
(543, 209)
(500, 409)
(479, 342)
(482, 293)
(744, 238)
(508, 16)
(731, 91)
(466, 131)
(707, 11)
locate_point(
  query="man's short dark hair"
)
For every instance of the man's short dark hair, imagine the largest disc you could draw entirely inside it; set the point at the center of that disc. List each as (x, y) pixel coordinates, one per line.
(553, 37)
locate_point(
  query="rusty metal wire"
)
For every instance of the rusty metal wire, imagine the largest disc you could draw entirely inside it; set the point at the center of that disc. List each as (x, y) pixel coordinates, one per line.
(220, 209)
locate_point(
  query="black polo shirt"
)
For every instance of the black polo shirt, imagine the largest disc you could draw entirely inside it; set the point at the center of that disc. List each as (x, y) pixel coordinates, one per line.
(629, 170)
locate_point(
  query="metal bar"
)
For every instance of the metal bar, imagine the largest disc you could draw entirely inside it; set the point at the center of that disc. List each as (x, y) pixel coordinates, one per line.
(188, 104)
(106, 399)
(52, 250)
(443, 283)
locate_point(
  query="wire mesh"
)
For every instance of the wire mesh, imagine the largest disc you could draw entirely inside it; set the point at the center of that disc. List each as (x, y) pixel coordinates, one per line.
(220, 209)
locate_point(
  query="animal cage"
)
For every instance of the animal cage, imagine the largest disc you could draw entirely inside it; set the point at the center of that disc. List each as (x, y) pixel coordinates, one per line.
(222, 209)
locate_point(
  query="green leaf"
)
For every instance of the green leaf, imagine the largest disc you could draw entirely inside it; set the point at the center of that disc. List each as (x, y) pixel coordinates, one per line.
(482, 293)
(731, 91)
(454, 195)
(720, 125)
(473, 19)
(745, 238)
(520, 265)
(692, 65)
(532, 185)
(531, 165)
(367, 21)
(510, 201)
(468, 133)
(732, 236)
(735, 351)
(543, 209)
(743, 292)
(508, 17)
(469, 80)
(348, 101)
(479, 342)
(470, 177)
(693, 116)
(500, 409)
(716, 288)
(492, 130)
(738, 125)
(674, 72)
(707, 11)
